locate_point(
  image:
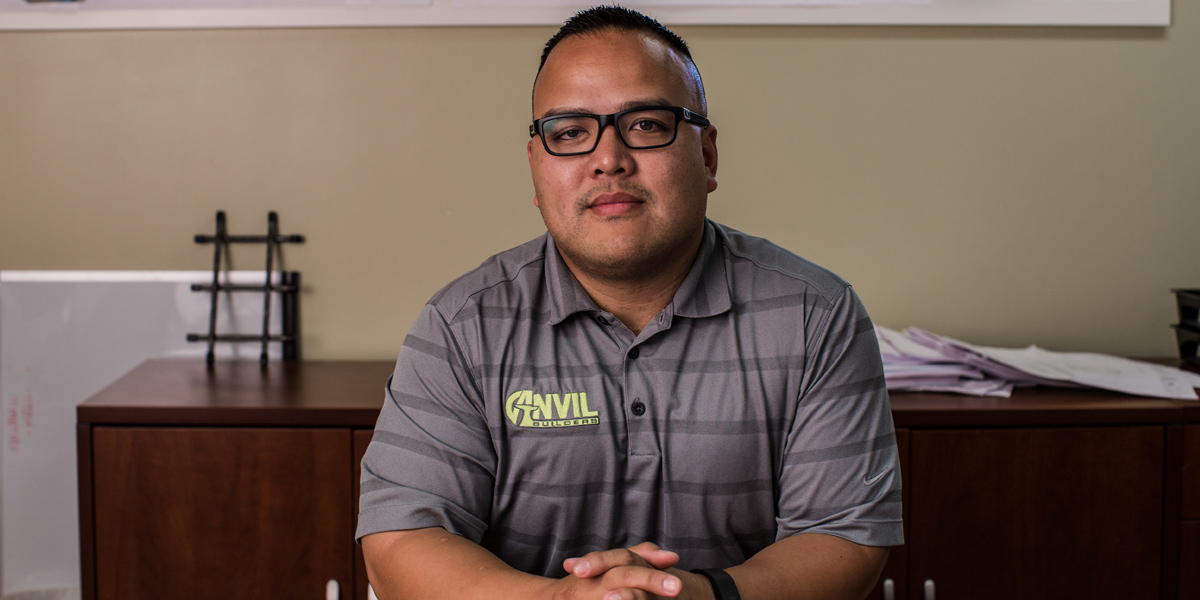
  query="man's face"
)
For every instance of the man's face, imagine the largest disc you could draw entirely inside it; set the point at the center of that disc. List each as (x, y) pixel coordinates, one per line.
(621, 213)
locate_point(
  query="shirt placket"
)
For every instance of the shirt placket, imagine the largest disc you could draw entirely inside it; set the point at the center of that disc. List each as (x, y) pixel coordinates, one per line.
(641, 411)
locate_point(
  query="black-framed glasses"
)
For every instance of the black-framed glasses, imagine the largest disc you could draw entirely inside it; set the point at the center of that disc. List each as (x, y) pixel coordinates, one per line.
(638, 128)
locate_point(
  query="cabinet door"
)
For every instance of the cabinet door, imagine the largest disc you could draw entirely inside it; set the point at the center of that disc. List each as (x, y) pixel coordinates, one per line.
(1189, 563)
(362, 439)
(1037, 513)
(1191, 472)
(196, 513)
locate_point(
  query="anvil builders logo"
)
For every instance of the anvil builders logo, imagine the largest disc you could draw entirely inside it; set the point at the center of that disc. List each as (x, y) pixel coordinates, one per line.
(527, 409)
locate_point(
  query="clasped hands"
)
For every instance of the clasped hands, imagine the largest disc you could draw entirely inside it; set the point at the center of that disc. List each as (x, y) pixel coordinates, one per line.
(641, 572)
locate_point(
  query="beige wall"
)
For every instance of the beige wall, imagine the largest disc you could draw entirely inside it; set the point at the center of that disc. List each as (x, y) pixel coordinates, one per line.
(1006, 186)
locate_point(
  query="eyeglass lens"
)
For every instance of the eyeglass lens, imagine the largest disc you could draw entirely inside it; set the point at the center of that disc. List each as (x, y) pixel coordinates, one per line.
(638, 129)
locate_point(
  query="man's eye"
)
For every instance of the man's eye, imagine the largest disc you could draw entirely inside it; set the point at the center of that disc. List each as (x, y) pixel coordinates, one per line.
(569, 134)
(647, 126)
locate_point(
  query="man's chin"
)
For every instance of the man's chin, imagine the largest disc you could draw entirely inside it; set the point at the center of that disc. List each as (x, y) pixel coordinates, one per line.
(622, 264)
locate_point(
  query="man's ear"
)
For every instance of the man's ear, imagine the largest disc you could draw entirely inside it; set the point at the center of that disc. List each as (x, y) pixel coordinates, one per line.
(708, 146)
(529, 153)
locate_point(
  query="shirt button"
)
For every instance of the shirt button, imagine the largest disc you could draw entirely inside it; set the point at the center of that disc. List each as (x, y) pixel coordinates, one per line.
(634, 352)
(602, 320)
(639, 409)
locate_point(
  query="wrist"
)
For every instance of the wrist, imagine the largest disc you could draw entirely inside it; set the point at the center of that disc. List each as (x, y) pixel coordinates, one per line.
(723, 587)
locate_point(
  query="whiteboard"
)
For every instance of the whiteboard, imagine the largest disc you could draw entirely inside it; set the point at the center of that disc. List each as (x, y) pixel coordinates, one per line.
(65, 335)
(184, 14)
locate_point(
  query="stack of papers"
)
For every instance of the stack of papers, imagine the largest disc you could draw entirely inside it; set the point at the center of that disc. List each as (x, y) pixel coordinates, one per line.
(916, 360)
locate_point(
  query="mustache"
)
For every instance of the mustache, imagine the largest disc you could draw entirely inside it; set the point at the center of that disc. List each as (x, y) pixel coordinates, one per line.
(630, 188)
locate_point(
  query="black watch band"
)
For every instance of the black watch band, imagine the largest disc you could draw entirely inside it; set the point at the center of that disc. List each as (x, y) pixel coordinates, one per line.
(722, 583)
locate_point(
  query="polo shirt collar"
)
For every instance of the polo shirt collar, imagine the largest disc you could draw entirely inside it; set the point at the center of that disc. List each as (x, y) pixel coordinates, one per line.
(703, 293)
(565, 293)
(705, 290)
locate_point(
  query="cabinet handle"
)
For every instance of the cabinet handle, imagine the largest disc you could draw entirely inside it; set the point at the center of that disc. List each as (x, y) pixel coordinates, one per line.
(889, 589)
(332, 590)
(930, 592)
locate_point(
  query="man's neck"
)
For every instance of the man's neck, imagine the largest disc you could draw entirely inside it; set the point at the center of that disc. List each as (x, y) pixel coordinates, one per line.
(635, 301)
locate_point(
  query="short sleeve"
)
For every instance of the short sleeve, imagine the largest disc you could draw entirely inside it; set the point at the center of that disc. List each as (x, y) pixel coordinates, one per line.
(431, 462)
(841, 473)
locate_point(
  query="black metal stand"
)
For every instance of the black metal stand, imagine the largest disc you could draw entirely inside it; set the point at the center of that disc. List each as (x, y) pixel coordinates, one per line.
(1187, 331)
(288, 288)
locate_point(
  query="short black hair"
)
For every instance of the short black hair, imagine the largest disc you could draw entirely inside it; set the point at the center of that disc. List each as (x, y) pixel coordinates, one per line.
(601, 18)
(612, 17)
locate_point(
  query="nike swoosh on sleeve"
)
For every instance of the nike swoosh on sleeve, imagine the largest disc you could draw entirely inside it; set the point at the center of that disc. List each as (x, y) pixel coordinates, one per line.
(873, 480)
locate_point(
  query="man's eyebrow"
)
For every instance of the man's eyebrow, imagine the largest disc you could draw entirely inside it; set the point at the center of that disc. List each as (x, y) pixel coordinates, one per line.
(554, 112)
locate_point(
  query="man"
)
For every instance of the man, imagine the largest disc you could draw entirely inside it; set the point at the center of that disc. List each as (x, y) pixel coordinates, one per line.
(639, 393)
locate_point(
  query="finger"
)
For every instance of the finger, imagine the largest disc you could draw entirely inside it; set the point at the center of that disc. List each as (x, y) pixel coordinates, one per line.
(628, 594)
(598, 563)
(625, 594)
(657, 557)
(569, 564)
(642, 579)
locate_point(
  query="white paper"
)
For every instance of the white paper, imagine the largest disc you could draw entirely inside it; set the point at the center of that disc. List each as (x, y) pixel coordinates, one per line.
(986, 387)
(1097, 370)
(919, 360)
(894, 344)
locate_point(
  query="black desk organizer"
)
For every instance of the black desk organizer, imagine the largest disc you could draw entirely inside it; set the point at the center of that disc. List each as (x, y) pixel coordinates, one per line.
(1187, 331)
(288, 287)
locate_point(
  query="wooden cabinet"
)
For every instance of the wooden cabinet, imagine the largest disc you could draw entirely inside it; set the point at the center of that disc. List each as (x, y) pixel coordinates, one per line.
(1037, 513)
(232, 483)
(1049, 494)
(239, 483)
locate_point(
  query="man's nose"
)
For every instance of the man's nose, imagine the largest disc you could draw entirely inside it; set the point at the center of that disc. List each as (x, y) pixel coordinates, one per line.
(611, 156)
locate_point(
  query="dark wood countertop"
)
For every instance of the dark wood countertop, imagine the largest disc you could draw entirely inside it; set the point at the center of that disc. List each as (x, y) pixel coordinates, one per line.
(186, 392)
(350, 393)
(1032, 406)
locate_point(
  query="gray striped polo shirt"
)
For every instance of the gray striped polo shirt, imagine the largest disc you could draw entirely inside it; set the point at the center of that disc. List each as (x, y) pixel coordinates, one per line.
(524, 418)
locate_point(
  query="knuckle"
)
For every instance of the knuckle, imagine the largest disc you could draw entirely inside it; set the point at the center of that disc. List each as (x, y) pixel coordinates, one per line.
(621, 577)
(623, 556)
(638, 577)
